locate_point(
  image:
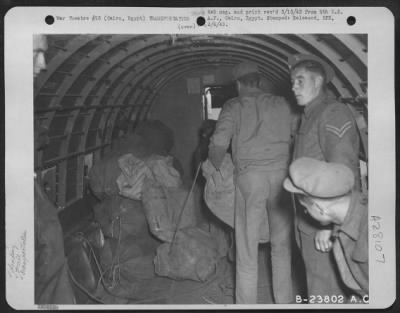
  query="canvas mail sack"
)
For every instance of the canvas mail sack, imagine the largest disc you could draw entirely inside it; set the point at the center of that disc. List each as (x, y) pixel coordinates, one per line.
(193, 255)
(120, 217)
(163, 206)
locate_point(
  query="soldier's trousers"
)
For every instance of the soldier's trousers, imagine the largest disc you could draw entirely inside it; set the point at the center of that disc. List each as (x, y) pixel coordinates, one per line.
(323, 278)
(257, 191)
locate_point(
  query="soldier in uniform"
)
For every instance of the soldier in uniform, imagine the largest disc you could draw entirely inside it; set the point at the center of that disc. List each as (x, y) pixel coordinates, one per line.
(326, 191)
(52, 282)
(327, 133)
(259, 127)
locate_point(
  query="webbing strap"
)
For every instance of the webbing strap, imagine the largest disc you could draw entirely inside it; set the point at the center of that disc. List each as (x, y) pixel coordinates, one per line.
(362, 128)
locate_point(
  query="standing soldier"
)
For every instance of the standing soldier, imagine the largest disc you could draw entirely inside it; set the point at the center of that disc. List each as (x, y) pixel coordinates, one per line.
(327, 133)
(259, 127)
(52, 283)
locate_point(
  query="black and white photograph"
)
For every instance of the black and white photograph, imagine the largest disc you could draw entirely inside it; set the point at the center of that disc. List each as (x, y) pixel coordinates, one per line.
(201, 167)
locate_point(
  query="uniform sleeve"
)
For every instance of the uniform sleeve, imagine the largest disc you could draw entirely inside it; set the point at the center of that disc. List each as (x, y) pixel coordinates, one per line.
(339, 136)
(220, 140)
(224, 128)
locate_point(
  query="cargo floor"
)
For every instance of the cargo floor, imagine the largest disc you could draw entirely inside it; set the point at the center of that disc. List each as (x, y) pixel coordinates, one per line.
(218, 289)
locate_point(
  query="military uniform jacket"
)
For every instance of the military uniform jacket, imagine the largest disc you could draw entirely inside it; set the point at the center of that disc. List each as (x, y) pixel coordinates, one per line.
(260, 126)
(327, 133)
(52, 283)
(352, 238)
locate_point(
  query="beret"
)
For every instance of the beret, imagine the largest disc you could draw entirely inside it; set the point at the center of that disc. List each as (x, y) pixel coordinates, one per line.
(293, 60)
(244, 68)
(318, 178)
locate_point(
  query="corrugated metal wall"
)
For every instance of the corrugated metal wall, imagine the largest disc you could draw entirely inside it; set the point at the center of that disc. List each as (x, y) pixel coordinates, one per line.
(97, 87)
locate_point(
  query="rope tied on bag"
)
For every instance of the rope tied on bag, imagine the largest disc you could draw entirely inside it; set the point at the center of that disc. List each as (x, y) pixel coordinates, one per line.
(183, 207)
(115, 268)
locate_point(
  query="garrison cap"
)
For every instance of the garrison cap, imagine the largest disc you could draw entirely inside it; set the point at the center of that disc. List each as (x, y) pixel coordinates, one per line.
(319, 179)
(293, 60)
(244, 68)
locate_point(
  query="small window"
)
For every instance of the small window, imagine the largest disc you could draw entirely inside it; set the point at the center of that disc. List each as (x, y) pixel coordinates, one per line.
(88, 164)
(49, 183)
(214, 98)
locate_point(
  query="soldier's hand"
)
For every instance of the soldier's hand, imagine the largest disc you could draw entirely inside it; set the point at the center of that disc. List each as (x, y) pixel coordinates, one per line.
(323, 240)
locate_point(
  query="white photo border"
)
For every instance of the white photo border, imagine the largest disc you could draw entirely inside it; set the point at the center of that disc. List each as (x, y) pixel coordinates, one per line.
(22, 22)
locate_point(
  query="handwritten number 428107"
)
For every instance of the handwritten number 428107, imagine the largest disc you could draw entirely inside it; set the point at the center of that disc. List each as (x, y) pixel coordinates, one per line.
(377, 237)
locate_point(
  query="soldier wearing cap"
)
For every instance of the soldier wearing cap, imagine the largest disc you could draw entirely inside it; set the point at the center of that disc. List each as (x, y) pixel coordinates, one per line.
(326, 192)
(259, 126)
(328, 133)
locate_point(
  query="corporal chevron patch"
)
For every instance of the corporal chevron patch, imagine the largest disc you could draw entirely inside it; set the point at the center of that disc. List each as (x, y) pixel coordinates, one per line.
(340, 132)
